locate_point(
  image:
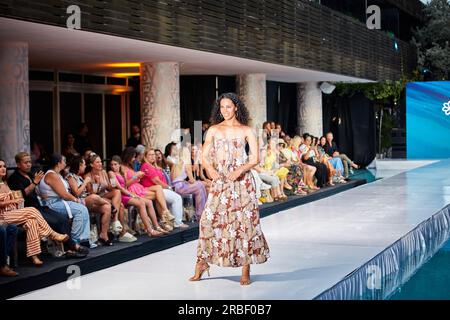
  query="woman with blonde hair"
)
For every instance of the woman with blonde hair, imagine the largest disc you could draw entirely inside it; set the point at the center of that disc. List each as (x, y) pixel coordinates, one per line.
(154, 175)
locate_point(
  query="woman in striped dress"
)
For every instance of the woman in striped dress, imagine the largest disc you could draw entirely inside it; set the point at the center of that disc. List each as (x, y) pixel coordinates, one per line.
(34, 224)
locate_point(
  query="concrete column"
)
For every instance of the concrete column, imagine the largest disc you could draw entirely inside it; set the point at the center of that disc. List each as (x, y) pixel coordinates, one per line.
(251, 88)
(309, 106)
(14, 100)
(160, 102)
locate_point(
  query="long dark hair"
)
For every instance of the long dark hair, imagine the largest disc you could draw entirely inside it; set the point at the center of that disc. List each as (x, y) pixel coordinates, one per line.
(4, 178)
(117, 159)
(163, 163)
(241, 113)
(168, 149)
(320, 139)
(54, 159)
(75, 164)
(128, 154)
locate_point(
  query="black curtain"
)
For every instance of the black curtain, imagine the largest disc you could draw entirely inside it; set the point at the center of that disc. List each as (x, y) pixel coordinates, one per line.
(283, 112)
(197, 94)
(272, 100)
(226, 84)
(287, 108)
(135, 102)
(352, 121)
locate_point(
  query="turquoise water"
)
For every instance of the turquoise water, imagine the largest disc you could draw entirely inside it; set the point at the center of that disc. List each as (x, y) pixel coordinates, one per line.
(431, 281)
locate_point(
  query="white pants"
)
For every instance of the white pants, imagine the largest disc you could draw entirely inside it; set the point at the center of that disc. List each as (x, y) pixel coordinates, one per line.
(257, 182)
(175, 204)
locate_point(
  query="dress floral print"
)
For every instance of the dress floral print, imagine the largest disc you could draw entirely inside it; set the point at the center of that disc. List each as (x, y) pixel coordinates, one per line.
(230, 231)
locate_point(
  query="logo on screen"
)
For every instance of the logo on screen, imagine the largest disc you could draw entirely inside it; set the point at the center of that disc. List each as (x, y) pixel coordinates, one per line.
(446, 108)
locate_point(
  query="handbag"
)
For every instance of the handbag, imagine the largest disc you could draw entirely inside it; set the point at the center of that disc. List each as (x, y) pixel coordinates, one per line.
(267, 196)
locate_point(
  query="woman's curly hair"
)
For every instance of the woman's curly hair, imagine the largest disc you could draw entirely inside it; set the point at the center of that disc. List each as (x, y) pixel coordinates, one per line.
(241, 112)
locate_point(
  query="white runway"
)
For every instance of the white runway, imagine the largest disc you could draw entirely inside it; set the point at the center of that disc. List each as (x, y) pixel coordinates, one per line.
(312, 247)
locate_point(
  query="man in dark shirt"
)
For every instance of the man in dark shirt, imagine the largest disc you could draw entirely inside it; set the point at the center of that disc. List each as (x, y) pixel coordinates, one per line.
(332, 150)
(135, 138)
(23, 180)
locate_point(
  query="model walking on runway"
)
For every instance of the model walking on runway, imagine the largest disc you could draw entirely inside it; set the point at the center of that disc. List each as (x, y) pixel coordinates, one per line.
(230, 233)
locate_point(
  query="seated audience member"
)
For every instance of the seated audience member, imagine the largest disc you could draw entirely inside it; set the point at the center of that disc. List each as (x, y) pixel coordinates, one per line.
(23, 180)
(308, 171)
(100, 185)
(155, 176)
(135, 138)
(182, 170)
(8, 234)
(275, 165)
(287, 139)
(54, 191)
(266, 133)
(34, 224)
(281, 133)
(308, 157)
(260, 186)
(273, 125)
(332, 150)
(269, 178)
(162, 163)
(94, 203)
(336, 162)
(139, 150)
(87, 156)
(144, 206)
(133, 178)
(331, 172)
(295, 175)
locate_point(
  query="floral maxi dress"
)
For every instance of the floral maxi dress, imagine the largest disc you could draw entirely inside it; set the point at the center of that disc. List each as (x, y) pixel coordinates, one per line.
(230, 233)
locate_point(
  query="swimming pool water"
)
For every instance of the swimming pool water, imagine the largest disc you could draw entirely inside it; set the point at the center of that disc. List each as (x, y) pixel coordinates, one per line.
(431, 281)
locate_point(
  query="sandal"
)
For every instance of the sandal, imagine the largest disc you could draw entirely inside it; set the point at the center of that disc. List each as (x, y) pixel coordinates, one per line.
(154, 233)
(162, 230)
(300, 192)
(169, 215)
